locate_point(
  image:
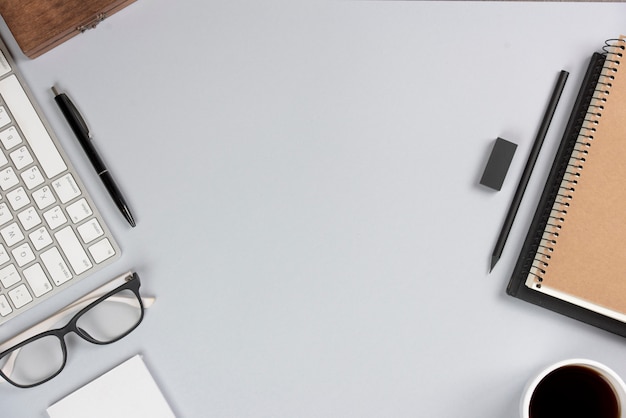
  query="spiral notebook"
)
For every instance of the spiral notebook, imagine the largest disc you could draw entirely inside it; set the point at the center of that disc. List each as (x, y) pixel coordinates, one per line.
(573, 260)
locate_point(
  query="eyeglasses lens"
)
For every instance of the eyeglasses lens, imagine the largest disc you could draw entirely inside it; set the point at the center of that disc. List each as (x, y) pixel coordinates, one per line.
(112, 318)
(34, 362)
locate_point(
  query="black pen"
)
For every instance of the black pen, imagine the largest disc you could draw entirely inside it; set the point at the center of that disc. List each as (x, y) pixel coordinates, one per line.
(78, 125)
(530, 164)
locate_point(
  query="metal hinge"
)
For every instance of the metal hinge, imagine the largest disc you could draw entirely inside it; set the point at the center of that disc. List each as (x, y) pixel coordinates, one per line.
(92, 24)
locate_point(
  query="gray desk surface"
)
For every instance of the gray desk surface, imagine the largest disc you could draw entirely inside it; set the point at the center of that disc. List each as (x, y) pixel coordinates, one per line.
(305, 179)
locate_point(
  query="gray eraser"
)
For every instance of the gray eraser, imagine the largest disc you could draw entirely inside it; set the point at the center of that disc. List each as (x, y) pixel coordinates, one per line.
(498, 164)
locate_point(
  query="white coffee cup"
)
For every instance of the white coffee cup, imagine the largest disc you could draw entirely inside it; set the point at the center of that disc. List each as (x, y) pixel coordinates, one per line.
(609, 375)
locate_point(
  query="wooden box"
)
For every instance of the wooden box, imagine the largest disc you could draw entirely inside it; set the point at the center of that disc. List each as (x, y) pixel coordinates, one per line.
(40, 25)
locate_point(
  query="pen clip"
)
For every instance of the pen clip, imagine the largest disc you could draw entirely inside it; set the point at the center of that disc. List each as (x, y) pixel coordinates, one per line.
(71, 112)
(78, 117)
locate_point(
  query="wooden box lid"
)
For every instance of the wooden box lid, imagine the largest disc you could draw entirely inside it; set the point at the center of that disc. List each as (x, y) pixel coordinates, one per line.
(40, 25)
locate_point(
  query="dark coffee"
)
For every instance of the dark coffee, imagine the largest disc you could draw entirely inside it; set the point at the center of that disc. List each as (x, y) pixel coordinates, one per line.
(574, 392)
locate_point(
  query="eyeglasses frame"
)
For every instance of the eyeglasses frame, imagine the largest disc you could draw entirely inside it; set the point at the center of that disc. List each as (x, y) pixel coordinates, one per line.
(132, 283)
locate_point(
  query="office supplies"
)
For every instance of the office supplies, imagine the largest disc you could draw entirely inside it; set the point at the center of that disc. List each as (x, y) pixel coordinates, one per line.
(572, 260)
(52, 234)
(78, 125)
(498, 164)
(102, 317)
(528, 169)
(127, 391)
(56, 21)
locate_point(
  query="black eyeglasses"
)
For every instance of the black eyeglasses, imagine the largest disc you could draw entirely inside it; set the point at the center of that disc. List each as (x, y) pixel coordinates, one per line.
(105, 320)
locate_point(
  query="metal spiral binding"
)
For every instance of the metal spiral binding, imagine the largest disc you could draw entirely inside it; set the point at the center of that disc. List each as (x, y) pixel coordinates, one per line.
(614, 51)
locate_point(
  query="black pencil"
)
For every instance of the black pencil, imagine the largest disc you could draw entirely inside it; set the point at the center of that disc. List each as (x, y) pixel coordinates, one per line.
(530, 164)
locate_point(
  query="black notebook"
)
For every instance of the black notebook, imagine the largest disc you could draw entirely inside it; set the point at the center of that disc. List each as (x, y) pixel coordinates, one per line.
(573, 260)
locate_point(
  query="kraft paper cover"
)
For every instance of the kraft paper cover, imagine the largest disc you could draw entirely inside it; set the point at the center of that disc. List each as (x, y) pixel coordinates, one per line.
(588, 261)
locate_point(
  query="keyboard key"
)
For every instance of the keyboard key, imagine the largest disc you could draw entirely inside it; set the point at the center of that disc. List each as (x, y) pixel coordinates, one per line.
(18, 198)
(9, 276)
(4, 117)
(43, 197)
(29, 218)
(8, 178)
(4, 255)
(54, 263)
(5, 307)
(73, 250)
(66, 188)
(10, 137)
(23, 254)
(79, 210)
(101, 251)
(32, 177)
(55, 217)
(21, 158)
(37, 280)
(90, 230)
(12, 234)
(34, 131)
(20, 296)
(40, 238)
(5, 214)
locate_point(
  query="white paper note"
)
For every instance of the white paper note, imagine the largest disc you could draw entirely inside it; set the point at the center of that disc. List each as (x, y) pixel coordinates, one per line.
(127, 391)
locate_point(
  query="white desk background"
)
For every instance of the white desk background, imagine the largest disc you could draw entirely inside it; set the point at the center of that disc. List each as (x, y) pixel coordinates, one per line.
(305, 180)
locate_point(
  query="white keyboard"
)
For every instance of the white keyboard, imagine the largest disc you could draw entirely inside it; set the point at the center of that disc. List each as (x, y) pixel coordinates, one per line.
(51, 234)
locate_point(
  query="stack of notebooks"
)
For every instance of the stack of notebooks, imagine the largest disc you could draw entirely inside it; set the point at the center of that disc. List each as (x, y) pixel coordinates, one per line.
(573, 260)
